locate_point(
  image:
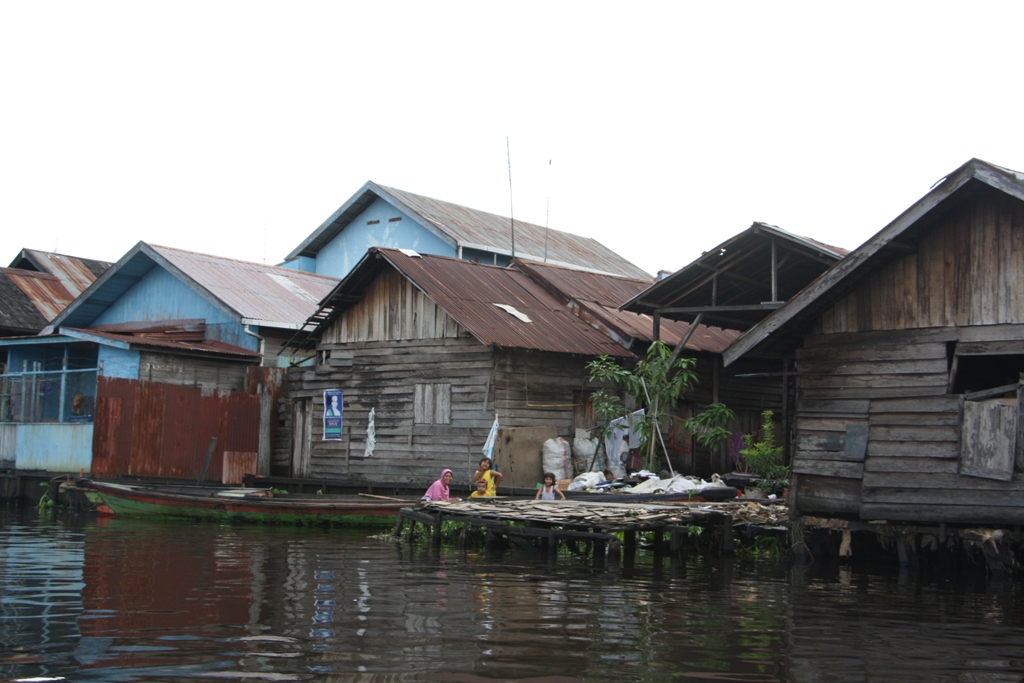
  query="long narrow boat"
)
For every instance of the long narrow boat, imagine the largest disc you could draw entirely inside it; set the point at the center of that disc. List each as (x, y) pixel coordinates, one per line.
(242, 504)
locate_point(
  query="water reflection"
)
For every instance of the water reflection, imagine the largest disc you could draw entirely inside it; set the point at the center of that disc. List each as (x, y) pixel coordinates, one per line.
(123, 600)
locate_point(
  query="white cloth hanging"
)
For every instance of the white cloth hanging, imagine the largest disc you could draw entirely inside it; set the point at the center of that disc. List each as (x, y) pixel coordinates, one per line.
(620, 429)
(492, 438)
(371, 434)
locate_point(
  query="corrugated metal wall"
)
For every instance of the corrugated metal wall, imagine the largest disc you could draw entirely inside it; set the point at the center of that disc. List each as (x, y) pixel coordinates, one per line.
(151, 429)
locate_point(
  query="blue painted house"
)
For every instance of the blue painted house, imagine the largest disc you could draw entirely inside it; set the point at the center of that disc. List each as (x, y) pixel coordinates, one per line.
(165, 350)
(378, 216)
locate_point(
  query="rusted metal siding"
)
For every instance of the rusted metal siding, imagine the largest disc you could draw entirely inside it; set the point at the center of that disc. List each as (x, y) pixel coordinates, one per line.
(235, 466)
(149, 429)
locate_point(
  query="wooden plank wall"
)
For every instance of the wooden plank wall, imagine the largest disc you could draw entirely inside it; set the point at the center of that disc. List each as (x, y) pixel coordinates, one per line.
(893, 385)
(968, 270)
(392, 309)
(383, 376)
(190, 371)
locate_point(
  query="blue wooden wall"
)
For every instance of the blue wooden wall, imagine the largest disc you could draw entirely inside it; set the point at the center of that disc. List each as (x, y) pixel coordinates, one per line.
(161, 296)
(340, 255)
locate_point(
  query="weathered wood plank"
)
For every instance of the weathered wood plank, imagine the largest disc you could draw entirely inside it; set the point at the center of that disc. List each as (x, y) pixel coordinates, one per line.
(822, 407)
(988, 446)
(917, 432)
(911, 465)
(943, 482)
(829, 468)
(818, 424)
(952, 514)
(949, 450)
(910, 496)
(820, 441)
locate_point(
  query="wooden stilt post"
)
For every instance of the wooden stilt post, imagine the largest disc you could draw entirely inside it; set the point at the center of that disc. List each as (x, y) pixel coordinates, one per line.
(435, 536)
(725, 529)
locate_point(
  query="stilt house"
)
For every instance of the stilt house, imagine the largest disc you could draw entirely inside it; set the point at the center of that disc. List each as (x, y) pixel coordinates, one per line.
(155, 359)
(909, 354)
(437, 347)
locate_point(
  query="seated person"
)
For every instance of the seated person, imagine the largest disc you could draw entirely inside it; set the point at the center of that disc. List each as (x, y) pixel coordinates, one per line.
(439, 490)
(487, 473)
(549, 490)
(481, 490)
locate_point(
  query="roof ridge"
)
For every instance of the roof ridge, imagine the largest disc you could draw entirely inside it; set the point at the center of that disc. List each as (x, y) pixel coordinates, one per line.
(238, 260)
(518, 221)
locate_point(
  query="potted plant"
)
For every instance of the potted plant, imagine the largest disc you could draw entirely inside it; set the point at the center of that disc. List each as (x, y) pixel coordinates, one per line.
(764, 458)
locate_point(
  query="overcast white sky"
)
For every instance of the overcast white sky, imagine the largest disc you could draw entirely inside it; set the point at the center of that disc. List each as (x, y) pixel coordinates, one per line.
(236, 128)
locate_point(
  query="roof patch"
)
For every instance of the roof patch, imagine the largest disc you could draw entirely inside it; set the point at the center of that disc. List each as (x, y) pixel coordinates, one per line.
(511, 310)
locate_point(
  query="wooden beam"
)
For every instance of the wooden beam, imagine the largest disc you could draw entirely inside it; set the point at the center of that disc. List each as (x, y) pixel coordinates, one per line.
(764, 306)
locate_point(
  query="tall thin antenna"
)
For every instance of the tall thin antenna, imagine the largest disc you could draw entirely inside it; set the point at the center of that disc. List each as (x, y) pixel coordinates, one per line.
(511, 216)
(547, 214)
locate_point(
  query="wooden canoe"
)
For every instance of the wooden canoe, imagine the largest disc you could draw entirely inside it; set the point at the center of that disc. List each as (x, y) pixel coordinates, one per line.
(241, 504)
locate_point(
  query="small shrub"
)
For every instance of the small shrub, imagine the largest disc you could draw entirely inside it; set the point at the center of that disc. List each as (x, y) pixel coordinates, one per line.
(764, 457)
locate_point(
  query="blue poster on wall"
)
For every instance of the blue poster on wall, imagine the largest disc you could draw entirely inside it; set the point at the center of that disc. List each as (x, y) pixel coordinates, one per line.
(332, 415)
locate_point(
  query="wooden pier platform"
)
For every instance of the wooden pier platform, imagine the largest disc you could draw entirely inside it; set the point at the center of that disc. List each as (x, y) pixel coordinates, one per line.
(609, 528)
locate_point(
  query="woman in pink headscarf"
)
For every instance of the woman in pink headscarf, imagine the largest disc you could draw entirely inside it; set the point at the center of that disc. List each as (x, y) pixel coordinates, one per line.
(439, 489)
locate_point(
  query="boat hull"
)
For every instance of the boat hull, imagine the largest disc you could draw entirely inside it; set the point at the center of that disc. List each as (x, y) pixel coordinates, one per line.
(258, 507)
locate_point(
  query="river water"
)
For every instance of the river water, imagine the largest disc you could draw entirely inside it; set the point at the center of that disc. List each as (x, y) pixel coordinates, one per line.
(93, 599)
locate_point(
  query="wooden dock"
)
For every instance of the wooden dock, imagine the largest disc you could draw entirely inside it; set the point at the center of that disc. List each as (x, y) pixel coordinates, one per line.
(607, 529)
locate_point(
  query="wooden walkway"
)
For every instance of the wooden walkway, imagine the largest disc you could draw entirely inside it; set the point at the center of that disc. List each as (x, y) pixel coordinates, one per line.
(544, 525)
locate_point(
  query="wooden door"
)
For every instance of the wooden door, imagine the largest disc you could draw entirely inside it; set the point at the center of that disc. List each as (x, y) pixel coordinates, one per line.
(301, 437)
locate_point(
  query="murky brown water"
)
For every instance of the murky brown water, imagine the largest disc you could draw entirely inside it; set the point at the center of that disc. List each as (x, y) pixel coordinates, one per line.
(123, 600)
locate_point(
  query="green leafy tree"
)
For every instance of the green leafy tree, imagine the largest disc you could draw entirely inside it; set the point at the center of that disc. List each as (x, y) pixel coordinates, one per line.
(656, 382)
(710, 427)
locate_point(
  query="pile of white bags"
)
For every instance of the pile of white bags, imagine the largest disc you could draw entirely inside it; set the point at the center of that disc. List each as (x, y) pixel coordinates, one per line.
(557, 458)
(587, 480)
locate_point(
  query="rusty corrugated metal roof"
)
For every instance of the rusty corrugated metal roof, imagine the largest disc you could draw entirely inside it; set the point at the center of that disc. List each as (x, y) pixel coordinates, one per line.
(471, 294)
(75, 273)
(597, 297)
(208, 346)
(261, 294)
(46, 292)
(18, 313)
(468, 228)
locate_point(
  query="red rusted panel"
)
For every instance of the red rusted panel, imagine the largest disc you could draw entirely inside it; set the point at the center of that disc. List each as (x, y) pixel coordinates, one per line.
(165, 429)
(105, 435)
(236, 465)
